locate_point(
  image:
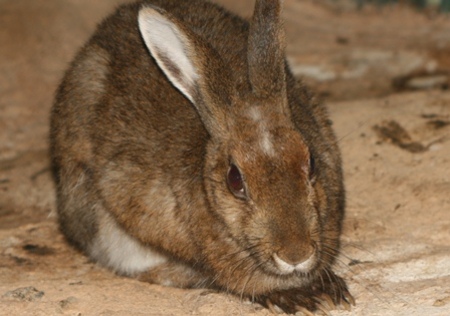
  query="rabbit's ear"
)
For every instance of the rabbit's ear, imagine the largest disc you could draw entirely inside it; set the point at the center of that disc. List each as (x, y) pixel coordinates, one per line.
(170, 48)
(266, 50)
(191, 65)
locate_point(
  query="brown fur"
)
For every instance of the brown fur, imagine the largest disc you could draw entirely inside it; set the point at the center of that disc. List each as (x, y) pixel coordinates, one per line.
(127, 143)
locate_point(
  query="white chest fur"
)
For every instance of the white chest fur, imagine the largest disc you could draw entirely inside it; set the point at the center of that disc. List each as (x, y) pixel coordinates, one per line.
(121, 252)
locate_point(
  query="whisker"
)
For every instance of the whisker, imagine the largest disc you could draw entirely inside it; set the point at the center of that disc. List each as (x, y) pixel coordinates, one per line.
(251, 274)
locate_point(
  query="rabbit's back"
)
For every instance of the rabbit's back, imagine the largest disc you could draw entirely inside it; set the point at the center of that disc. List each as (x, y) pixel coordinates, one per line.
(115, 87)
(115, 104)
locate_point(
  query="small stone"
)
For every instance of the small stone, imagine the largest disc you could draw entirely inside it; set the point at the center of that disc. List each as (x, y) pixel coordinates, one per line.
(442, 302)
(29, 294)
(68, 301)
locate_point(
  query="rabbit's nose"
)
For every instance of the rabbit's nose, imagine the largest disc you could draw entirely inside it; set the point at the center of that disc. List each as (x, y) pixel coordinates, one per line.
(290, 261)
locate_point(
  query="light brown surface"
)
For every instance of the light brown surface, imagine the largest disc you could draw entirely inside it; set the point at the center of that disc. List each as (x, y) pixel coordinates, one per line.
(396, 253)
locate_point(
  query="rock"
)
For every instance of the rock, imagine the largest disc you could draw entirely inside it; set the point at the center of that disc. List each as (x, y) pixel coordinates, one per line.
(29, 294)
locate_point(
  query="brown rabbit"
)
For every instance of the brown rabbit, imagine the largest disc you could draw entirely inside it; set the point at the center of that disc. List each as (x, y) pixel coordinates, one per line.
(186, 154)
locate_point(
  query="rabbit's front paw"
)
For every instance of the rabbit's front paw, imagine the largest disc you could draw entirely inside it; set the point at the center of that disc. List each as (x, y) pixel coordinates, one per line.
(328, 293)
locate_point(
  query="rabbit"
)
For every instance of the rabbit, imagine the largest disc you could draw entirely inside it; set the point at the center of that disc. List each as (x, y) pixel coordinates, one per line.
(186, 154)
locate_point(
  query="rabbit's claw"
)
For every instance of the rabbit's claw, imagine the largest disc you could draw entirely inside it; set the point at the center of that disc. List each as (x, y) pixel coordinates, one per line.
(319, 299)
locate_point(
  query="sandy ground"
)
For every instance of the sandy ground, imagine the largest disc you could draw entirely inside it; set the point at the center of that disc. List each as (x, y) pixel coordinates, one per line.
(395, 144)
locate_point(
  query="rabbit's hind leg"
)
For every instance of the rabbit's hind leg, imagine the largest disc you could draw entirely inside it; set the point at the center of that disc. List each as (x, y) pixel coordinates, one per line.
(174, 274)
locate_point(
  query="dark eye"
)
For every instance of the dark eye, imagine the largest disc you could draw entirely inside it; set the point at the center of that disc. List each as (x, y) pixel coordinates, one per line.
(312, 167)
(236, 182)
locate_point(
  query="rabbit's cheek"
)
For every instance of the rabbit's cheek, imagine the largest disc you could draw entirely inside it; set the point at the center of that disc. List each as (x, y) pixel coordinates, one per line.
(236, 215)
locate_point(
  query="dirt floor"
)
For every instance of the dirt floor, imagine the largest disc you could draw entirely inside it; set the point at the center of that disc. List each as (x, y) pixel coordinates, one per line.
(384, 74)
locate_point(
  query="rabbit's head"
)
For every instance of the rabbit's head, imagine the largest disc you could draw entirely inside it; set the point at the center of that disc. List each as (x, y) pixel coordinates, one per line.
(259, 172)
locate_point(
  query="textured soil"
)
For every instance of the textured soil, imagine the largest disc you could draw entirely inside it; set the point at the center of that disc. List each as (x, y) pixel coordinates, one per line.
(384, 74)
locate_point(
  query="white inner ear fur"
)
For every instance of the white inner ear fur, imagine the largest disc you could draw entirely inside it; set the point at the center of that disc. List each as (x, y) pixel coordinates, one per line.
(169, 46)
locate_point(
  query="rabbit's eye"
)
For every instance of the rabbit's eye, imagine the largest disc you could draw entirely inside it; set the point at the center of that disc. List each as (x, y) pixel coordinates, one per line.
(236, 182)
(312, 167)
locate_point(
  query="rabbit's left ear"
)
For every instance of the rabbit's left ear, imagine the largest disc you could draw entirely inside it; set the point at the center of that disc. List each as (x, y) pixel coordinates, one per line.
(171, 49)
(192, 66)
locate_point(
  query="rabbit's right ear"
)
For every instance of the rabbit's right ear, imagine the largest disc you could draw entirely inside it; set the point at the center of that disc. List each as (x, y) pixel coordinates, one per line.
(192, 66)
